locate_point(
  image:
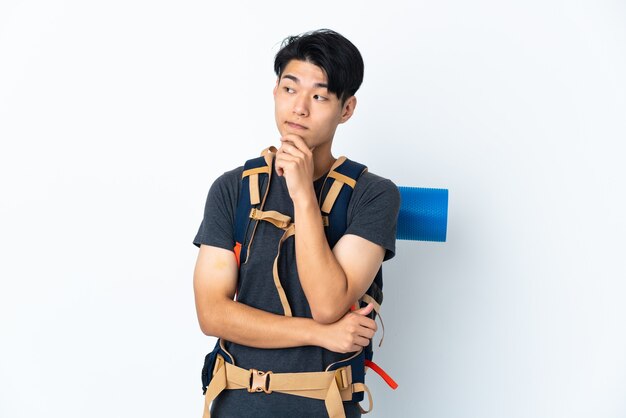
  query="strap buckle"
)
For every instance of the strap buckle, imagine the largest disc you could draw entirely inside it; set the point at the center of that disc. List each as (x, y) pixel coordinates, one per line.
(259, 381)
(219, 363)
(342, 379)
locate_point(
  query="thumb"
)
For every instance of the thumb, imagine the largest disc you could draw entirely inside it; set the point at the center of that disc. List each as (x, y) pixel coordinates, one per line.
(365, 311)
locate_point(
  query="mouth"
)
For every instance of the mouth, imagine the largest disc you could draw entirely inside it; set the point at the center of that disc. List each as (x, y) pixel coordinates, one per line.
(295, 126)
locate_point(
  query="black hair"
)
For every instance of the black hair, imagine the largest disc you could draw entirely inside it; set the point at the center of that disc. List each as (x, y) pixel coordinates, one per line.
(333, 53)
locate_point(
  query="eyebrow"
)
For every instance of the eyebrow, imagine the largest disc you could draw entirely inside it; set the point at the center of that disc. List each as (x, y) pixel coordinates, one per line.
(297, 81)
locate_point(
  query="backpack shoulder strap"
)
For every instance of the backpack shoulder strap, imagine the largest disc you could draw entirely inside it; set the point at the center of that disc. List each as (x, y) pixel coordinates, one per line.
(336, 194)
(255, 182)
(335, 197)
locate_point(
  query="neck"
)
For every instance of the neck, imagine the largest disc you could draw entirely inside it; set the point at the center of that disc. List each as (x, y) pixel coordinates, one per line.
(322, 161)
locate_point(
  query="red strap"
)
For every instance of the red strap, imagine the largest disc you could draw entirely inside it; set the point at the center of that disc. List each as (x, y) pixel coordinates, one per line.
(237, 251)
(392, 383)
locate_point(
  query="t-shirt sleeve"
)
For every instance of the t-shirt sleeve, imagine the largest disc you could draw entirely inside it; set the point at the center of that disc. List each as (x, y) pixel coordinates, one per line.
(217, 228)
(373, 214)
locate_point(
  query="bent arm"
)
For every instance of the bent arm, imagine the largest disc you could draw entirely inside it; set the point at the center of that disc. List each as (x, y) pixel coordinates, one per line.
(215, 281)
(332, 280)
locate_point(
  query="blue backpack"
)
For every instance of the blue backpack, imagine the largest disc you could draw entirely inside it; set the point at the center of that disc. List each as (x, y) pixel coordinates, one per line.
(335, 195)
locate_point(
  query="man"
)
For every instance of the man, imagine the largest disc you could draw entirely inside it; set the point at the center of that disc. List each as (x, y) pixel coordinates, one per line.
(318, 74)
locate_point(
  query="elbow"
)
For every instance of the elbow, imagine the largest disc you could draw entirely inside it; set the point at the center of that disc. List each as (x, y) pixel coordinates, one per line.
(326, 314)
(209, 319)
(206, 326)
(329, 309)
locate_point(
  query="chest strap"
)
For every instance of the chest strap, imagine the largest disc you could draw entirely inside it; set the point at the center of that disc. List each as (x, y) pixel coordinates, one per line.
(342, 173)
(333, 387)
(283, 222)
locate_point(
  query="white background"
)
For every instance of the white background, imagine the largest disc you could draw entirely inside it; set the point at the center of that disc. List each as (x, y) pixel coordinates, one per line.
(115, 117)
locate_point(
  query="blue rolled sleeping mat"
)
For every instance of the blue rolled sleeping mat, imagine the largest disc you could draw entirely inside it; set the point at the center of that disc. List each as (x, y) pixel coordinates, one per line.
(423, 214)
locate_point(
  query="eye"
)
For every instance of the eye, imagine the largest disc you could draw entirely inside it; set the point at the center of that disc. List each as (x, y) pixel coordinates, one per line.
(288, 89)
(319, 98)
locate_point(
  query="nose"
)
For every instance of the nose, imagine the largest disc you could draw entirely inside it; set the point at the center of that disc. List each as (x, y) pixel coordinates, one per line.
(300, 107)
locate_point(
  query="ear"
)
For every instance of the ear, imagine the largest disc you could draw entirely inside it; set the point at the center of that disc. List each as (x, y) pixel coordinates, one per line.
(275, 87)
(348, 109)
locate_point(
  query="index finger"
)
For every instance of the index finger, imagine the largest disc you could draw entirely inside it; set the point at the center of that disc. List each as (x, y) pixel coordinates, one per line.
(368, 323)
(297, 141)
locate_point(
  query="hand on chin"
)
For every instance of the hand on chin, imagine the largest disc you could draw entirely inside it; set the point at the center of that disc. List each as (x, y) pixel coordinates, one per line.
(294, 161)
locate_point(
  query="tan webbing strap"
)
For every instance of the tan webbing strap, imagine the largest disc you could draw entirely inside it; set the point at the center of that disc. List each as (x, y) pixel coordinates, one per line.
(253, 173)
(291, 230)
(329, 386)
(257, 170)
(269, 150)
(255, 197)
(331, 196)
(368, 299)
(362, 387)
(382, 325)
(334, 405)
(217, 385)
(342, 178)
(276, 218)
(223, 347)
(283, 222)
(337, 163)
(280, 221)
(269, 159)
(269, 154)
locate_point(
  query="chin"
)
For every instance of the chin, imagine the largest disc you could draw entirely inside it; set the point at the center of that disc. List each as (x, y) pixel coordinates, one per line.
(296, 133)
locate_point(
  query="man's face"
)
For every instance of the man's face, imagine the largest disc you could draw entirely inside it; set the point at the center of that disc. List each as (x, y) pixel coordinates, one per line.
(305, 107)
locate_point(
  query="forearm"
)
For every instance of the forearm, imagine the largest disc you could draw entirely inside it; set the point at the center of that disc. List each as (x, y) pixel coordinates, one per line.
(253, 327)
(322, 278)
(329, 288)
